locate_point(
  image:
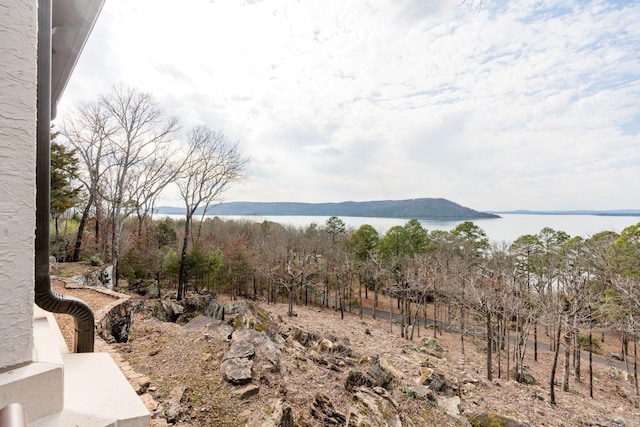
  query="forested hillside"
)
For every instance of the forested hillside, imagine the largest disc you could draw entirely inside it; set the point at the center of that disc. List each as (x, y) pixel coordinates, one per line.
(534, 312)
(423, 208)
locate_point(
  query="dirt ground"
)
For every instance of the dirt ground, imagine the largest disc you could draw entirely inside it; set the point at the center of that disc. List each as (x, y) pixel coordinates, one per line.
(185, 361)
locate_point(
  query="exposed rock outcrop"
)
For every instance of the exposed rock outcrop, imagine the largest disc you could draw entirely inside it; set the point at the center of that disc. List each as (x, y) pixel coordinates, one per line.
(278, 414)
(493, 420)
(373, 407)
(374, 376)
(323, 411)
(98, 277)
(249, 351)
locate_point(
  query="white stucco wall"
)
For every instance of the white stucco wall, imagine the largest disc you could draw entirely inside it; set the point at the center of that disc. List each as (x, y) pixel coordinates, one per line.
(18, 43)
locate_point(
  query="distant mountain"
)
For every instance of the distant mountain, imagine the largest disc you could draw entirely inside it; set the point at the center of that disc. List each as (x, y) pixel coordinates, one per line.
(425, 208)
(617, 212)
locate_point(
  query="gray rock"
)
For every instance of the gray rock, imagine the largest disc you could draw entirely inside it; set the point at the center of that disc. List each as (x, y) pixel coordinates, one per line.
(247, 391)
(237, 371)
(171, 310)
(235, 307)
(173, 411)
(215, 310)
(266, 353)
(278, 414)
(373, 407)
(216, 328)
(450, 405)
(421, 392)
(432, 379)
(100, 277)
(249, 351)
(374, 376)
(323, 411)
(239, 349)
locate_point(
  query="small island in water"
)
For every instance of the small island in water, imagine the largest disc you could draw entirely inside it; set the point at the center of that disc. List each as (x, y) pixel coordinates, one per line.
(422, 208)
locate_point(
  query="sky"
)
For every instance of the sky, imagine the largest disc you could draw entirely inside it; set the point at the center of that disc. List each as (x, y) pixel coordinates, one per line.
(499, 105)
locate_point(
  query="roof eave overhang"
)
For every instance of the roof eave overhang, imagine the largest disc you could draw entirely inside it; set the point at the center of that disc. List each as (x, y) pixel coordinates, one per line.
(72, 22)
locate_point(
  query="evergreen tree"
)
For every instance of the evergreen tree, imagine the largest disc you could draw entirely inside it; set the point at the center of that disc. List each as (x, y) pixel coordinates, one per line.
(64, 170)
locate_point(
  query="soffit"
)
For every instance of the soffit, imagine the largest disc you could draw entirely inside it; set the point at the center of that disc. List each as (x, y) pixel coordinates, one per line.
(72, 22)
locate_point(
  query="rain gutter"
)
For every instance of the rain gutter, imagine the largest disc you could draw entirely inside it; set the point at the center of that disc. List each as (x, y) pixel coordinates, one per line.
(45, 298)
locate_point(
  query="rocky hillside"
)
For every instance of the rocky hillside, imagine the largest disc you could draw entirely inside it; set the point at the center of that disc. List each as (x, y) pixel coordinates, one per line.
(259, 367)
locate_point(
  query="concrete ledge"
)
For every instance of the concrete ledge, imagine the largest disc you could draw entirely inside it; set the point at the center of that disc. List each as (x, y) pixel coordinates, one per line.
(36, 386)
(93, 384)
(48, 342)
(70, 418)
(64, 389)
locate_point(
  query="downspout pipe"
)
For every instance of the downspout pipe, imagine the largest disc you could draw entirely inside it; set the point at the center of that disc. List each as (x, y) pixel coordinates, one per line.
(45, 298)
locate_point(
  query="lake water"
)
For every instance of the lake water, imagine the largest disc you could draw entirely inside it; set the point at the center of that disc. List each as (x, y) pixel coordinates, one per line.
(507, 228)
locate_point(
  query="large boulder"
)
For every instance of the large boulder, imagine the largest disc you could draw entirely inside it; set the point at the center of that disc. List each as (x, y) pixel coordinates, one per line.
(216, 328)
(249, 353)
(237, 362)
(195, 303)
(99, 277)
(373, 407)
(168, 311)
(237, 371)
(266, 353)
(214, 309)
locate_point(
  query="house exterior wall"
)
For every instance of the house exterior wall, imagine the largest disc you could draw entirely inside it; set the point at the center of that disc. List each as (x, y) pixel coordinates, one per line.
(18, 74)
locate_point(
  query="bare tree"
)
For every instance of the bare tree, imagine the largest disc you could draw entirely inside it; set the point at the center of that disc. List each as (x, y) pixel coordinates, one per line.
(212, 164)
(88, 129)
(139, 161)
(629, 303)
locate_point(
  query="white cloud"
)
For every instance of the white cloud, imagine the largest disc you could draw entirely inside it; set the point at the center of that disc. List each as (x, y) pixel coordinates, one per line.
(528, 104)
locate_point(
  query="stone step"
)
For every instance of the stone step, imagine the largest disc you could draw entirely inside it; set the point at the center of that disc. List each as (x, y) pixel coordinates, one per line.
(61, 389)
(71, 418)
(94, 384)
(36, 386)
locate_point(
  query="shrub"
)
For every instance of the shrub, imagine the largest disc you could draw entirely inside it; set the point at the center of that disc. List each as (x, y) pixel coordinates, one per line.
(584, 343)
(95, 261)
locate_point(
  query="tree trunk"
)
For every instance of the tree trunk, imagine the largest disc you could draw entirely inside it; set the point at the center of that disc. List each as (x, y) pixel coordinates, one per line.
(462, 326)
(590, 356)
(375, 300)
(418, 306)
(508, 350)
(435, 315)
(576, 352)
(535, 341)
(402, 318)
(360, 296)
(115, 250)
(182, 275)
(567, 359)
(390, 313)
(489, 348)
(635, 364)
(552, 380)
(290, 300)
(499, 339)
(81, 225)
